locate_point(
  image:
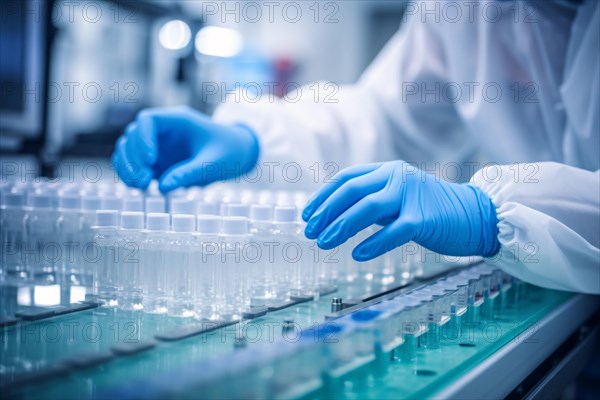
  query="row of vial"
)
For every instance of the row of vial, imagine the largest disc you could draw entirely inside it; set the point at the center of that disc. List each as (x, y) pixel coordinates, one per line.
(391, 330)
(205, 266)
(50, 235)
(45, 226)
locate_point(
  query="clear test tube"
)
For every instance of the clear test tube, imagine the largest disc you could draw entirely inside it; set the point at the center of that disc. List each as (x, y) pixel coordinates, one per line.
(460, 309)
(207, 208)
(462, 295)
(209, 281)
(286, 231)
(182, 205)
(343, 355)
(441, 311)
(517, 292)
(111, 202)
(412, 324)
(238, 210)
(326, 269)
(493, 293)
(180, 248)
(13, 218)
(446, 296)
(263, 285)
(388, 335)
(475, 299)
(505, 287)
(68, 229)
(90, 203)
(427, 318)
(227, 198)
(309, 264)
(195, 192)
(365, 334)
(41, 249)
(367, 271)
(264, 197)
(456, 303)
(496, 291)
(133, 203)
(283, 198)
(128, 270)
(155, 204)
(105, 237)
(485, 278)
(153, 267)
(386, 266)
(234, 237)
(349, 268)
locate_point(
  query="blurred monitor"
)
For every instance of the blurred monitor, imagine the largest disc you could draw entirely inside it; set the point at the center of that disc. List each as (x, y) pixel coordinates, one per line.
(22, 67)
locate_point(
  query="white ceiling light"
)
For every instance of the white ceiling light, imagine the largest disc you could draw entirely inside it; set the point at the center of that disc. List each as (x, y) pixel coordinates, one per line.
(175, 35)
(218, 42)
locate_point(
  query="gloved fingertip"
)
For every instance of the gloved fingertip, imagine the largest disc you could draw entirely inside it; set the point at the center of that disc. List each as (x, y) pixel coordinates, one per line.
(144, 180)
(306, 214)
(167, 185)
(325, 245)
(309, 231)
(309, 209)
(361, 254)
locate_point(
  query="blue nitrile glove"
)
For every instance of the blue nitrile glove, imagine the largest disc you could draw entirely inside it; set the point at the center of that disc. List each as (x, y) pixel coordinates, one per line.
(448, 218)
(181, 147)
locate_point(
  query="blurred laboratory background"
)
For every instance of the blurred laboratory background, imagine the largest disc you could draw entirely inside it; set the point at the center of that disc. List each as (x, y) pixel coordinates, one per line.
(73, 74)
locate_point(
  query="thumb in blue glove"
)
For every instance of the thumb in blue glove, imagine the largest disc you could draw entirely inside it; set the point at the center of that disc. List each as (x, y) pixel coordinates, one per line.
(181, 147)
(448, 218)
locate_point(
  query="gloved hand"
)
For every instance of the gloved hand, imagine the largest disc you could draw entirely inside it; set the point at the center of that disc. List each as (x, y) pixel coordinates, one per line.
(448, 218)
(182, 147)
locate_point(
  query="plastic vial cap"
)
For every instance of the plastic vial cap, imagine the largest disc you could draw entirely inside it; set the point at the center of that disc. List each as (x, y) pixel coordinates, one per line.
(90, 202)
(207, 208)
(261, 212)
(183, 223)
(209, 224)
(14, 199)
(286, 214)
(133, 204)
(111, 203)
(182, 206)
(107, 218)
(155, 204)
(69, 202)
(157, 222)
(133, 192)
(132, 220)
(235, 225)
(41, 200)
(238, 210)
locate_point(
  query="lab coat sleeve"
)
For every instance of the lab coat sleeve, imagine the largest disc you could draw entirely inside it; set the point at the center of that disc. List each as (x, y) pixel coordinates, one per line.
(323, 127)
(549, 223)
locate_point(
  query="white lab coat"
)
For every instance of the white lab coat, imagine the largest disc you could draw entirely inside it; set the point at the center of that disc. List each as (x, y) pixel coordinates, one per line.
(541, 126)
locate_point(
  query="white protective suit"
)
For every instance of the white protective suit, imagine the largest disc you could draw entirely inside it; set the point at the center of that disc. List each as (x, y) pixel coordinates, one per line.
(521, 91)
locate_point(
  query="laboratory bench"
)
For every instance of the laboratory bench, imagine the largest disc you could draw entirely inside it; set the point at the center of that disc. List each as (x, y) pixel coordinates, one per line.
(521, 341)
